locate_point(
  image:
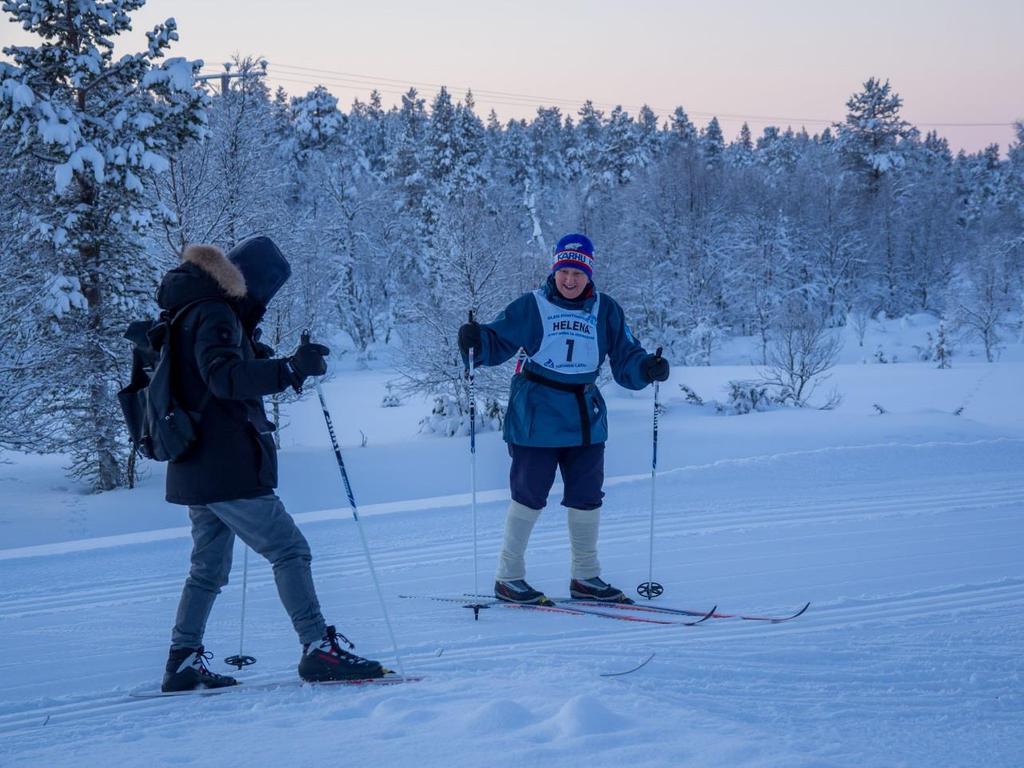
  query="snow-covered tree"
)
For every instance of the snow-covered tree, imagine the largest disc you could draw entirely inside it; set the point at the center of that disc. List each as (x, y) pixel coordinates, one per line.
(712, 143)
(869, 139)
(979, 300)
(740, 153)
(102, 127)
(801, 354)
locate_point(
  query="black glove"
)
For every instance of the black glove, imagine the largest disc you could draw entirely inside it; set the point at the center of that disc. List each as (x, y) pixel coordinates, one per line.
(654, 368)
(307, 360)
(469, 338)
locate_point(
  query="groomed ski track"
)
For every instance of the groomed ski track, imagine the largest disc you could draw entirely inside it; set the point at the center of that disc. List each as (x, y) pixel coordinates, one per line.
(912, 556)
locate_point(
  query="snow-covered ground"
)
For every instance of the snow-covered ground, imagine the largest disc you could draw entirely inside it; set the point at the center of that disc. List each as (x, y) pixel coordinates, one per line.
(905, 530)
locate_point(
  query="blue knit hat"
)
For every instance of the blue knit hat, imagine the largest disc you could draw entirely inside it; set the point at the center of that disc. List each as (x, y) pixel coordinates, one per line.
(574, 251)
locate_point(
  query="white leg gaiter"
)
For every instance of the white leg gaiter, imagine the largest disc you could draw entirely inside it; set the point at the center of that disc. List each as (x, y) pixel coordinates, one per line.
(518, 527)
(583, 528)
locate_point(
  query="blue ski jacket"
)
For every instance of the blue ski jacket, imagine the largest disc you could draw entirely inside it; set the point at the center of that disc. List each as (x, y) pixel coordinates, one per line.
(550, 409)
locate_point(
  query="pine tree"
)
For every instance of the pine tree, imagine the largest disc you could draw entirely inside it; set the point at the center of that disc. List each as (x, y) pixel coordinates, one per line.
(943, 353)
(620, 148)
(869, 139)
(648, 136)
(104, 128)
(681, 131)
(405, 167)
(712, 143)
(1014, 177)
(548, 151)
(316, 119)
(442, 145)
(740, 153)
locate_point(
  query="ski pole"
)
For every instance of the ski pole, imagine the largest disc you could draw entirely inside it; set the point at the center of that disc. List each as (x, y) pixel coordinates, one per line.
(242, 659)
(472, 456)
(355, 516)
(650, 588)
(476, 607)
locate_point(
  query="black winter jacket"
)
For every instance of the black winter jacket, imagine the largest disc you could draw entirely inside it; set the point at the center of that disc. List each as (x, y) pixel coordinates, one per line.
(234, 456)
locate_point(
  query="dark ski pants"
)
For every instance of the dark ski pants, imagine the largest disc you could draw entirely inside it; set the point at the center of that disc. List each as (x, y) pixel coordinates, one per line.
(533, 474)
(264, 525)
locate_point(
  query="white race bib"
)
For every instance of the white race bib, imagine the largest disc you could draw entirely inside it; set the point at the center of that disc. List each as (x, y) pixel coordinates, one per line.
(570, 337)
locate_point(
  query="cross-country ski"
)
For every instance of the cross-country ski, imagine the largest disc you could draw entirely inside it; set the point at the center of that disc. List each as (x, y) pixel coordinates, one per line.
(388, 678)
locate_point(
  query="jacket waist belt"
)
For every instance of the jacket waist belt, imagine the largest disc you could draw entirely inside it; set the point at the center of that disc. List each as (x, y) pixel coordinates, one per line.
(576, 389)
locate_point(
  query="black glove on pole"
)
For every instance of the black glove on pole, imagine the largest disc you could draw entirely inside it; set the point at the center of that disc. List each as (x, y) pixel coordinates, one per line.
(307, 360)
(656, 367)
(650, 588)
(469, 336)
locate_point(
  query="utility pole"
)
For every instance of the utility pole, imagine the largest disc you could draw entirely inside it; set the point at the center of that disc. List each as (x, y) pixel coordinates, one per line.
(227, 75)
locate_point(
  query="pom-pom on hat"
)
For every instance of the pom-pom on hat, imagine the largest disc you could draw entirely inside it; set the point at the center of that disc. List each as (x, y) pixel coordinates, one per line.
(575, 251)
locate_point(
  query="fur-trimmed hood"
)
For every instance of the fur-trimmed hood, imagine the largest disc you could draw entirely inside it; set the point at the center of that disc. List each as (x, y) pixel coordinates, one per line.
(204, 273)
(213, 262)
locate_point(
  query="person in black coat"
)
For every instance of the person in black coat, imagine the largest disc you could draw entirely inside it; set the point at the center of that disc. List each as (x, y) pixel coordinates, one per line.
(227, 478)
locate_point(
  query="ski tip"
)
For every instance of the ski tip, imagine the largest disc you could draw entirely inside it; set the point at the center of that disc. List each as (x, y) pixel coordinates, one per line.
(702, 619)
(793, 616)
(641, 665)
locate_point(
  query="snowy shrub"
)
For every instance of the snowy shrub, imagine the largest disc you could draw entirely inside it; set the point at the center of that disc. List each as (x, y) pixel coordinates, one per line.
(880, 355)
(445, 418)
(858, 319)
(943, 349)
(691, 397)
(747, 396)
(744, 397)
(936, 349)
(700, 342)
(391, 400)
(978, 302)
(926, 352)
(448, 419)
(801, 354)
(493, 413)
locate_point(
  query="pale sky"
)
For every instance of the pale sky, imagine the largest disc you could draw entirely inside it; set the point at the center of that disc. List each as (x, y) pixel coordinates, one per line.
(786, 62)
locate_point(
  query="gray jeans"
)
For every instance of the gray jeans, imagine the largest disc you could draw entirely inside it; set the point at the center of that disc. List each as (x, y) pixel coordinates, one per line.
(264, 525)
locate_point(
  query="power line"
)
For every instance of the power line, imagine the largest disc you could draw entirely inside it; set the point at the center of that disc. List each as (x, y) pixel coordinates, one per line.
(489, 95)
(303, 75)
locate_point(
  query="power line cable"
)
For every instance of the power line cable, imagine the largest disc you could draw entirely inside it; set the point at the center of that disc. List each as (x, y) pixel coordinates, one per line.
(303, 75)
(535, 99)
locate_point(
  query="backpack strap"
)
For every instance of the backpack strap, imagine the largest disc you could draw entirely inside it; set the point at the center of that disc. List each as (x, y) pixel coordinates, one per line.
(170, 327)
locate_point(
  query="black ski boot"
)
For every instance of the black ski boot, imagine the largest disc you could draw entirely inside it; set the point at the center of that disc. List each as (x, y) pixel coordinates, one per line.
(327, 660)
(187, 671)
(595, 589)
(518, 591)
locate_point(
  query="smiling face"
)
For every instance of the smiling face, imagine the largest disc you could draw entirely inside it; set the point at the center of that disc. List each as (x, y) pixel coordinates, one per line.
(571, 282)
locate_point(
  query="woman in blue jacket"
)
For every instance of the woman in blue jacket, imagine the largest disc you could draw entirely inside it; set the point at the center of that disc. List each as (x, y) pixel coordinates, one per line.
(556, 416)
